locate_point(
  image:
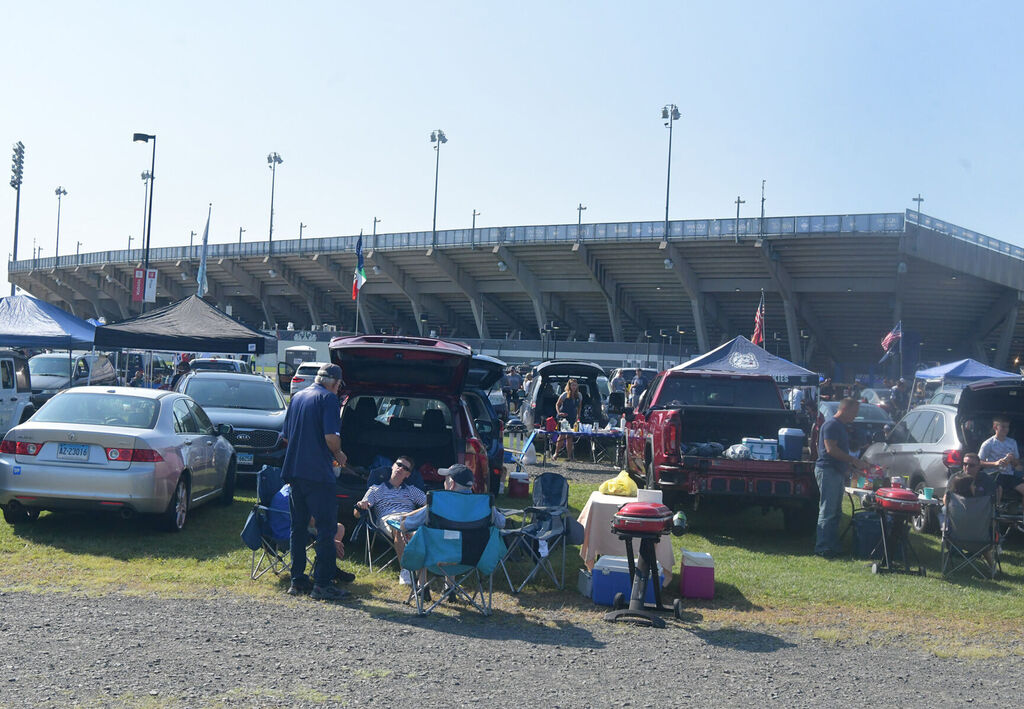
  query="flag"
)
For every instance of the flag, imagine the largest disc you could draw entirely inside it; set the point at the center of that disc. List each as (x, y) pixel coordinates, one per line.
(758, 337)
(887, 355)
(359, 277)
(893, 336)
(201, 285)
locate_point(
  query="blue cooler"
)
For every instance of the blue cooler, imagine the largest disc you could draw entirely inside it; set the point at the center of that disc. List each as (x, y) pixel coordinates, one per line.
(791, 443)
(611, 576)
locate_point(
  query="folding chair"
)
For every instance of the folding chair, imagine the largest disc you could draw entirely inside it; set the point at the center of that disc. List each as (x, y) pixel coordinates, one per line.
(457, 547)
(370, 530)
(269, 553)
(969, 536)
(543, 529)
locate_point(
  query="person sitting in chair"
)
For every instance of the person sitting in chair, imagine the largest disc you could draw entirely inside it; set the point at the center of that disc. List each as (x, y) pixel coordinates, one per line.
(1001, 452)
(394, 499)
(457, 478)
(281, 524)
(971, 482)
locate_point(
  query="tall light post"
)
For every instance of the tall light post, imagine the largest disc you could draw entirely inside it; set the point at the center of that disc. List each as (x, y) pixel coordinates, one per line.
(472, 232)
(738, 203)
(554, 339)
(680, 331)
(301, 227)
(17, 172)
(130, 237)
(145, 201)
(579, 221)
(191, 236)
(437, 137)
(78, 246)
(918, 199)
(240, 231)
(144, 138)
(273, 160)
(60, 192)
(669, 114)
(647, 360)
(373, 239)
(664, 335)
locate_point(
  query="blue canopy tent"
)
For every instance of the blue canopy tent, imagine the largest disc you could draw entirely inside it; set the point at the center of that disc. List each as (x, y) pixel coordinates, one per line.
(28, 322)
(962, 371)
(741, 356)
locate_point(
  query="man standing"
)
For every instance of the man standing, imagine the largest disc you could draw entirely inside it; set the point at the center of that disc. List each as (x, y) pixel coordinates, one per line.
(312, 430)
(637, 387)
(1001, 452)
(796, 399)
(831, 471)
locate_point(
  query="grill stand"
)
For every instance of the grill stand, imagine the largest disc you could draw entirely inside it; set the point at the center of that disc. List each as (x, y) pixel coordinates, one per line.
(898, 554)
(640, 574)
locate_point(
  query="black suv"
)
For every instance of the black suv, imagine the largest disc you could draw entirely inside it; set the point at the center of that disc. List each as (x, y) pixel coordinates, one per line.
(251, 404)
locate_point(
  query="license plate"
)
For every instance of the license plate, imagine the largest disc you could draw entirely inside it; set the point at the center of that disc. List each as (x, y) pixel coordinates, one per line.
(72, 451)
(245, 458)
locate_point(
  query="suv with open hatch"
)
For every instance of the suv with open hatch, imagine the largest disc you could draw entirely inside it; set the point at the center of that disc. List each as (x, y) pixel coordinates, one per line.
(549, 382)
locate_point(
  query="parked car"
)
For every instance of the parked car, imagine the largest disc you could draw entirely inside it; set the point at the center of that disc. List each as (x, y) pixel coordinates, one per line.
(403, 395)
(304, 376)
(484, 373)
(15, 390)
(219, 364)
(252, 405)
(54, 371)
(549, 383)
(872, 424)
(116, 449)
(950, 396)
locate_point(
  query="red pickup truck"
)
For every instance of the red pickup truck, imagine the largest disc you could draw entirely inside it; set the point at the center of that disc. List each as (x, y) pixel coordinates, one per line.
(682, 409)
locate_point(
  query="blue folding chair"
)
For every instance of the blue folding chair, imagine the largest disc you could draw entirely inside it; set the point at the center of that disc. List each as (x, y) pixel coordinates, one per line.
(544, 528)
(368, 527)
(455, 550)
(269, 553)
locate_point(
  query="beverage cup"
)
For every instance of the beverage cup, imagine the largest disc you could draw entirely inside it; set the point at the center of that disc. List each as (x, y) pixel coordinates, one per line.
(928, 492)
(861, 482)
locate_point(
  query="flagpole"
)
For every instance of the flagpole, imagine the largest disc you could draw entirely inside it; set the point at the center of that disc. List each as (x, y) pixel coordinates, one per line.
(900, 324)
(356, 277)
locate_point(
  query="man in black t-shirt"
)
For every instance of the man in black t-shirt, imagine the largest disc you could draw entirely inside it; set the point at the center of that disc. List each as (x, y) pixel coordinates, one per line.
(971, 482)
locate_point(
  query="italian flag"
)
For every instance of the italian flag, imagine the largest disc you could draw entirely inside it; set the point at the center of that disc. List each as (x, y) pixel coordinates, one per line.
(359, 277)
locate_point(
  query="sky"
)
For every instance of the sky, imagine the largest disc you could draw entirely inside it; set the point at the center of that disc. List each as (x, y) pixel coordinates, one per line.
(840, 107)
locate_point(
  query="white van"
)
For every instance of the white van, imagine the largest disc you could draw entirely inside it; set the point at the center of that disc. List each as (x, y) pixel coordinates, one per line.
(15, 390)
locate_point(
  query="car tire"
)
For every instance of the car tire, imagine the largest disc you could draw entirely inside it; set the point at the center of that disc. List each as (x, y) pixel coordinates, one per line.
(19, 514)
(230, 481)
(928, 521)
(174, 517)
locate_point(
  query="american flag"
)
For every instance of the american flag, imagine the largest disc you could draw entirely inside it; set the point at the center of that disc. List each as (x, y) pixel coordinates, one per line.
(895, 334)
(758, 337)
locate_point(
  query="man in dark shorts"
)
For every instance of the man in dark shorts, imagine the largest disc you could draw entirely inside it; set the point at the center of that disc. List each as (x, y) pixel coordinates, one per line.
(312, 429)
(832, 471)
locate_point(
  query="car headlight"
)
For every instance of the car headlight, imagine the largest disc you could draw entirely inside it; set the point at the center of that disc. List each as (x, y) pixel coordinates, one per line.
(49, 391)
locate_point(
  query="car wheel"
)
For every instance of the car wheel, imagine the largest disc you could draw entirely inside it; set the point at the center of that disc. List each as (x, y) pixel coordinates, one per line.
(230, 480)
(927, 522)
(174, 517)
(619, 601)
(19, 514)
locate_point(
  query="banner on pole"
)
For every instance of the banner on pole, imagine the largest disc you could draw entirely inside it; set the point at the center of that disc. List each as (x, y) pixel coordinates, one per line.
(150, 295)
(138, 285)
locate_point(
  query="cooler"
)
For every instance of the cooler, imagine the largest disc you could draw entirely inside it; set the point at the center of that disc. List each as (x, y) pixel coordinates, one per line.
(791, 444)
(518, 484)
(762, 448)
(611, 576)
(867, 535)
(697, 575)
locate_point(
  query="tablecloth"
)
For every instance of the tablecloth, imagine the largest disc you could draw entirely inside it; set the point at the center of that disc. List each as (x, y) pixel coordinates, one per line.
(598, 538)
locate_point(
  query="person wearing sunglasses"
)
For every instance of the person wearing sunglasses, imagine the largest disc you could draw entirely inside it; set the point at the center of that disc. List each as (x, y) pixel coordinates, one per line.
(394, 498)
(971, 482)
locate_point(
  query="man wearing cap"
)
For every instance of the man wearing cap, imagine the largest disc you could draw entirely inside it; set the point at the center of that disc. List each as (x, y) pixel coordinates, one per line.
(312, 429)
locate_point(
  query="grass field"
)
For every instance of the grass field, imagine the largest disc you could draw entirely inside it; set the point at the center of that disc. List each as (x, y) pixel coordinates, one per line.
(762, 576)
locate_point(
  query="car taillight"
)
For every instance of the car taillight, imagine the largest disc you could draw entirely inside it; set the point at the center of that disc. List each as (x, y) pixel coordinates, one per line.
(670, 441)
(134, 455)
(953, 458)
(297, 380)
(20, 447)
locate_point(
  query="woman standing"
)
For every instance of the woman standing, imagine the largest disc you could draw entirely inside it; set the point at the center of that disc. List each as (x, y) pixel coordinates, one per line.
(568, 408)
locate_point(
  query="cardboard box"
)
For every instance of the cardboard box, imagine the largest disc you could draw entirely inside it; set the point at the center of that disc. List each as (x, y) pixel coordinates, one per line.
(697, 575)
(611, 576)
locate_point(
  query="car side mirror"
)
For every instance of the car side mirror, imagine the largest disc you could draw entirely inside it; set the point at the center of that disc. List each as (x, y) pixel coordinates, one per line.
(483, 426)
(225, 429)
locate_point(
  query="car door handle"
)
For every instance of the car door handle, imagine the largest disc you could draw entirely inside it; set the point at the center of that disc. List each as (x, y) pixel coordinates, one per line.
(14, 398)
(188, 441)
(919, 451)
(209, 442)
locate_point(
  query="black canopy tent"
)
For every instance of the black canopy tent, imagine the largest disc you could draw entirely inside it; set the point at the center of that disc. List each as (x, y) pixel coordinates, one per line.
(190, 325)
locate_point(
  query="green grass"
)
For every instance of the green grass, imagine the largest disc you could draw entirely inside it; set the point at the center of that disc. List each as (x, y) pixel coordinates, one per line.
(762, 576)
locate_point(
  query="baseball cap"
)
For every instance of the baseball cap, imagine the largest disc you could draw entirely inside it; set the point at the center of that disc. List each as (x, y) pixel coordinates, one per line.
(459, 473)
(330, 371)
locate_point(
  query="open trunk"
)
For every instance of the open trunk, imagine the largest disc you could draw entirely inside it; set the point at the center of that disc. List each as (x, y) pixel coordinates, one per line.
(393, 426)
(707, 424)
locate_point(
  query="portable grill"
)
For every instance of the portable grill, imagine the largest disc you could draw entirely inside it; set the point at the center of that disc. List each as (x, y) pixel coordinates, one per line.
(648, 522)
(896, 508)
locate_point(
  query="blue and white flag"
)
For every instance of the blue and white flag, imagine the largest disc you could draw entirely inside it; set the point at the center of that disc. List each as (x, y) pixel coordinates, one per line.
(201, 285)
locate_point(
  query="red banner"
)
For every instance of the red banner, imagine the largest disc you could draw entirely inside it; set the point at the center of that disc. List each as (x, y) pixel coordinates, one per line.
(138, 285)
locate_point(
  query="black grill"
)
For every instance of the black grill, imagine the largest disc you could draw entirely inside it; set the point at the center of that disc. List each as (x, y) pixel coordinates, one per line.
(258, 438)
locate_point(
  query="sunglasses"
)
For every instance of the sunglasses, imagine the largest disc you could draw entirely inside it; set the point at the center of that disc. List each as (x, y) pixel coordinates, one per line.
(972, 465)
(403, 466)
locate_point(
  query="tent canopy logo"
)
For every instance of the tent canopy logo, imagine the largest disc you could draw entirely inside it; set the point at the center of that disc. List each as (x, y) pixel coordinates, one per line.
(743, 360)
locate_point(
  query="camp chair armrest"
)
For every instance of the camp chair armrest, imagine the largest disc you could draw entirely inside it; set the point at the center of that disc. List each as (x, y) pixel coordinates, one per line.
(511, 511)
(553, 511)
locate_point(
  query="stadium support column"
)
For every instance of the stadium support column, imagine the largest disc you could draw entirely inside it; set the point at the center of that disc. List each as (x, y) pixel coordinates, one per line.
(793, 331)
(1006, 336)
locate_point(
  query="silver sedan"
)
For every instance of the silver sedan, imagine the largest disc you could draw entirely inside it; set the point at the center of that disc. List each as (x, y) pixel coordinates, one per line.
(119, 449)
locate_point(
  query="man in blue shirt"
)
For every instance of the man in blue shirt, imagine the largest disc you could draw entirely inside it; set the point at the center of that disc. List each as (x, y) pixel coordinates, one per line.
(312, 429)
(831, 471)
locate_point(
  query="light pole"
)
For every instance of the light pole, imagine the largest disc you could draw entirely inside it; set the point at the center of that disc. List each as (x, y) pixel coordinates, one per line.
(145, 200)
(17, 172)
(240, 231)
(78, 245)
(301, 227)
(663, 336)
(680, 331)
(373, 239)
(273, 160)
(579, 221)
(130, 246)
(647, 359)
(738, 203)
(437, 137)
(191, 236)
(60, 192)
(918, 199)
(472, 232)
(554, 339)
(670, 114)
(144, 138)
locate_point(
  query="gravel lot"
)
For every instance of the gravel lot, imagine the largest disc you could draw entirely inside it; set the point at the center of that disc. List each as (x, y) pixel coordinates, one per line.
(61, 650)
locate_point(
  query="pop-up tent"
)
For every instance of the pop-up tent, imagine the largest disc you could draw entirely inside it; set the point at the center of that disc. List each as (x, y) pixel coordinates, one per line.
(961, 372)
(190, 325)
(28, 322)
(741, 356)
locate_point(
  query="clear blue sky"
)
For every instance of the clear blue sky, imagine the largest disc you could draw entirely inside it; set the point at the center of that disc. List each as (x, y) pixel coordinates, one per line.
(841, 107)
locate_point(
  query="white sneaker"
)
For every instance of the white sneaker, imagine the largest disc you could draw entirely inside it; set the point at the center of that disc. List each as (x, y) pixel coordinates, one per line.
(405, 577)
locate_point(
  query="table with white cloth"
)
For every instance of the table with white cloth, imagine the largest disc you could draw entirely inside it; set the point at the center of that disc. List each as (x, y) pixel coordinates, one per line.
(599, 539)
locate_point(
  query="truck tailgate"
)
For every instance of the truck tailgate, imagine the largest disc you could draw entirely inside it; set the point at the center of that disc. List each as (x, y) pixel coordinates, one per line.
(761, 478)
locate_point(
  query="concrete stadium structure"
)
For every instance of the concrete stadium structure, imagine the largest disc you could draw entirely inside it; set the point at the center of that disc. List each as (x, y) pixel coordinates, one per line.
(834, 285)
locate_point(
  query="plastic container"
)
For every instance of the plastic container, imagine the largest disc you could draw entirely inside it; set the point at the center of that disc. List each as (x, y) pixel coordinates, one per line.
(791, 443)
(697, 575)
(611, 576)
(519, 485)
(585, 583)
(867, 535)
(762, 448)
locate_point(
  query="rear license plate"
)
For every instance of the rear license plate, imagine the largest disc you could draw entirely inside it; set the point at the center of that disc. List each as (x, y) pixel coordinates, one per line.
(72, 451)
(245, 458)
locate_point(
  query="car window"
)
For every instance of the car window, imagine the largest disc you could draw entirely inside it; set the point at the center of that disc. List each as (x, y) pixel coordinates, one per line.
(935, 429)
(257, 394)
(183, 419)
(919, 428)
(49, 366)
(101, 409)
(476, 406)
(81, 369)
(205, 425)
(869, 412)
(901, 432)
(701, 391)
(7, 374)
(307, 370)
(645, 399)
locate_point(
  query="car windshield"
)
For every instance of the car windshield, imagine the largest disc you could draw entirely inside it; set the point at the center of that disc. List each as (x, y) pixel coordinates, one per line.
(49, 366)
(100, 408)
(308, 371)
(701, 391)
(224, 365)
(259, 394)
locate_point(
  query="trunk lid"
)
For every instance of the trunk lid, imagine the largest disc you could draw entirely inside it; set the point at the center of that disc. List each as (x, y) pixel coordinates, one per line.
(76, 445)
(415, 366)
(985, 399)
(484, 372)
